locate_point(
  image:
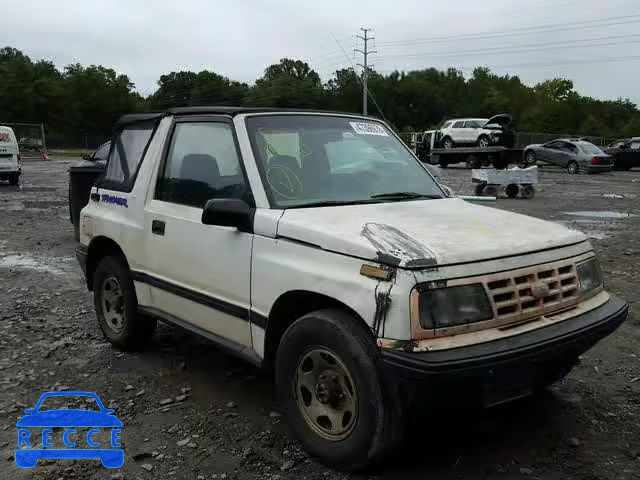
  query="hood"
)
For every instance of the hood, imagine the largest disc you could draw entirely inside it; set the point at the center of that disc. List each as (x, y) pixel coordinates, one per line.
(420, 234)
(502, 119)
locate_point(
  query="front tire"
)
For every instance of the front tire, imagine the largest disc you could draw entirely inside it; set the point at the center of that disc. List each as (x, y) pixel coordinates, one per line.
(329, 384)
(483, 141)
(14, 179)
(116, 305)
(447, 143)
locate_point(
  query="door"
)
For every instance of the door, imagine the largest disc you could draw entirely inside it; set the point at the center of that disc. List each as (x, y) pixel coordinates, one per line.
(458, 132)
(471, 131)
(553, 153)
(199, 273)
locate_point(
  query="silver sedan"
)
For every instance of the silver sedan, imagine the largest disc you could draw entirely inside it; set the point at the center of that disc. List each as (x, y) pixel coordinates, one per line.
(574, 155)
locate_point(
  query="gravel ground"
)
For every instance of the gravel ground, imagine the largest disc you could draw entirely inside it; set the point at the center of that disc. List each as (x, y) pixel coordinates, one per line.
(189, 411)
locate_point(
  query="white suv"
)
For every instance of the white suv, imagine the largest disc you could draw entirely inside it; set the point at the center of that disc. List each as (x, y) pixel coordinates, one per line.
(317, 245)
(482, 132)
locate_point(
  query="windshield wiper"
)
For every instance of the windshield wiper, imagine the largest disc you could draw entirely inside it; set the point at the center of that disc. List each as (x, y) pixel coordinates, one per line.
(332, 203)
(403, 196)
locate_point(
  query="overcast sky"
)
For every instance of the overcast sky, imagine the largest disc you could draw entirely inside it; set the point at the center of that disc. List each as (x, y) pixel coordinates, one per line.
(535, 39)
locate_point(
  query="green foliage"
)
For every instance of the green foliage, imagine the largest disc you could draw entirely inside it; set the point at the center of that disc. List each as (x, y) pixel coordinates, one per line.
(81, 103)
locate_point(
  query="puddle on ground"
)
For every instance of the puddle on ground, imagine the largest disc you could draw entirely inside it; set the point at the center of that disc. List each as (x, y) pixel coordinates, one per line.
(53, 265)
(587, 227)
(11, 206)
(604, 215)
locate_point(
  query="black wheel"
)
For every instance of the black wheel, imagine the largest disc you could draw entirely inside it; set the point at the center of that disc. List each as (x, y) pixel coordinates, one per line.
(443, 163)
(447, 143)
(490, 191)
(116, 305)
(572, 167)
(480, 188)
(512, 190)
(329, 385)
(14, 179)
(527, 191)
(483, 141)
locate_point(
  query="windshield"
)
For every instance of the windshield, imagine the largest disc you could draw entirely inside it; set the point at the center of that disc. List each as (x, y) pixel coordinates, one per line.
(78, 402)
(590, 148)
(307, 160)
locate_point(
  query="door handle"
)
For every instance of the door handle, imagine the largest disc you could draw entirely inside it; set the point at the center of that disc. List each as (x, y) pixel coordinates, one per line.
(157, 227)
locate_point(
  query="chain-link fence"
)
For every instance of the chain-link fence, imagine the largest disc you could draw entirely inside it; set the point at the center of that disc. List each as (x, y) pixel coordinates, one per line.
(31, 138)
(62, 141)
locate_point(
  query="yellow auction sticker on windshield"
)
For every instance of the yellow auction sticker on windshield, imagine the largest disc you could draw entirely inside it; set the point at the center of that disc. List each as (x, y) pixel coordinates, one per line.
(364, 128)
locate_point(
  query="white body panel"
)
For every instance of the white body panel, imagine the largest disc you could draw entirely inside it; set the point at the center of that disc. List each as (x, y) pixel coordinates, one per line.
(9, 152)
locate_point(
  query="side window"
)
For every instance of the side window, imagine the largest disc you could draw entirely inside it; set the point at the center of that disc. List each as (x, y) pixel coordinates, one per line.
(568, 147)
(202, 163)
(103, 152)
(130, 145)
(458, 124)
(554, 145)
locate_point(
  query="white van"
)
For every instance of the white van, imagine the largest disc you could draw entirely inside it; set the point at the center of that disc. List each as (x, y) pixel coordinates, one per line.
(10, 168)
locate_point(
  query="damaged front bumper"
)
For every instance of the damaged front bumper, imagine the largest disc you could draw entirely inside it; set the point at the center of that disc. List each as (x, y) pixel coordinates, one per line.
(499, 370)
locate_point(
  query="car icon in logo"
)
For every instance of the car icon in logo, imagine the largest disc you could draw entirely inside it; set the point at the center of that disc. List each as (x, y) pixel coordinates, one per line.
(73, 423)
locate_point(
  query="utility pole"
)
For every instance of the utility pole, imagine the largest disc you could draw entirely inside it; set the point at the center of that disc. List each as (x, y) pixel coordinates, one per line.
(365, 65)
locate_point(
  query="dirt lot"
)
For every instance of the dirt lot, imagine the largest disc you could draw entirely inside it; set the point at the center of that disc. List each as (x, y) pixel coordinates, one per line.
(189, 411)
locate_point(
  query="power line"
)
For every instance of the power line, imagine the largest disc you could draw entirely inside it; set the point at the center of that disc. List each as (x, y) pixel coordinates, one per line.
(504, 51)
(514, 32)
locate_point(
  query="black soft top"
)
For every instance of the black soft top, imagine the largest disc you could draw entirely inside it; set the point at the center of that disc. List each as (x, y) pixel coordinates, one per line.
(222, 110)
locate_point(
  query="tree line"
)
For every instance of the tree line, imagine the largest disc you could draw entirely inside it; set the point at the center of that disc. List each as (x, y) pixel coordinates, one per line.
(79, 104)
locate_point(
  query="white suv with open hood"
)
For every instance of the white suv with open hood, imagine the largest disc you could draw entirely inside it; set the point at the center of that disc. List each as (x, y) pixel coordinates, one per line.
(482, 132)
(317, 245)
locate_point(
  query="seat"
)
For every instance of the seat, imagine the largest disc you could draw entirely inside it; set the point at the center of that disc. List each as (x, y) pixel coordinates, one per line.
(200, 167)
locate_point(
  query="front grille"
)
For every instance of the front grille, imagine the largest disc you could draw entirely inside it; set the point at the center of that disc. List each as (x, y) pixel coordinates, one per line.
(533, 291)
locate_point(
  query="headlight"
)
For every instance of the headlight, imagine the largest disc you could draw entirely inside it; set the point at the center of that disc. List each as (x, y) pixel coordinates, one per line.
(589, 275)
(448, 307)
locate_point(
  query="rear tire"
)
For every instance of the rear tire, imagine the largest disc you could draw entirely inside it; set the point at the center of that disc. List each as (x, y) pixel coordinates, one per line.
(573, 168)
(447, 143)
(14, 179)
(329, 384)
(116, 305)
(527, 191)
(512, 190)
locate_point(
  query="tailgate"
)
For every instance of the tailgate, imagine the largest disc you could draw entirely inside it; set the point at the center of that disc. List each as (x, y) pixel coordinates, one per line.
(8, 161)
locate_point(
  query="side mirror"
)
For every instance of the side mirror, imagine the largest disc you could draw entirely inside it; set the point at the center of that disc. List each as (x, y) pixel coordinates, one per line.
(86, 156)
(228, 212)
